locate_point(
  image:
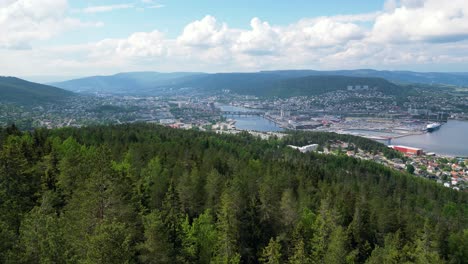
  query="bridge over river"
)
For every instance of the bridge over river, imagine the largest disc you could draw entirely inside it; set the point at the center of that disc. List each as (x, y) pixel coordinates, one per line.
(244, 113)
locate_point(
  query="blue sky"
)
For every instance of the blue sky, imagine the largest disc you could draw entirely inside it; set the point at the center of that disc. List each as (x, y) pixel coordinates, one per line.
(175, 14)
(91, 37)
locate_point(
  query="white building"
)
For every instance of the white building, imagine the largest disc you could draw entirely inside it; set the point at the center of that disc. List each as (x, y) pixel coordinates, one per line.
(305, 149)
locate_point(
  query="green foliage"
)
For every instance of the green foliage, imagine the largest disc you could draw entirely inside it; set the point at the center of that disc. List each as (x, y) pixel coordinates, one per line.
(22, 92)
(315, 85)
(299, 255)
(200, 238)
(110, 243)
(336, 251)
(41, 236)
(287, 83)
(458, 244)
(271, 254)
(300, 138)
(148, 194)
(156, 247)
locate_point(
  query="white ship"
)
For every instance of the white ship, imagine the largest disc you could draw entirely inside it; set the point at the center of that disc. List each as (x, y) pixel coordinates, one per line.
(433, 126)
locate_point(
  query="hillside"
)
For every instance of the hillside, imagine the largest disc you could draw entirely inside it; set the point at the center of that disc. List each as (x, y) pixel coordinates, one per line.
(19, 91)
(142, 83)
(265, 83)
(316, 85)
(285, 84)
(143, 193)
(448, 78)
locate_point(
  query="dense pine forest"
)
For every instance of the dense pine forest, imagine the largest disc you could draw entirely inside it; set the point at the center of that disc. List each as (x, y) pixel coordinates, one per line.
(148, 194)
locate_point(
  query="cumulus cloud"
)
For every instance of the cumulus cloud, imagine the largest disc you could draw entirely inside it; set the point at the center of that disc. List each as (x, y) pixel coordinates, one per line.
(424, 21)
(25, 21)
(205, 33)
(262, 39)
(106, 8)
(323, 32)
(404, 32)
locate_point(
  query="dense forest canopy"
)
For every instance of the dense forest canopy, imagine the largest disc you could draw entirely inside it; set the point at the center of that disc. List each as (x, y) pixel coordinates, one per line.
(148, 194)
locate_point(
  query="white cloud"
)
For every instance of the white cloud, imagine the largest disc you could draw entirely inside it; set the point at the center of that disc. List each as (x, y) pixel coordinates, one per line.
(155, 6)
(106, 8)
(142, 44)
(151, 4)
(323, 32)
(425, 21)
(205, 33)
(405, 33)
(261, 40)
(25, 21)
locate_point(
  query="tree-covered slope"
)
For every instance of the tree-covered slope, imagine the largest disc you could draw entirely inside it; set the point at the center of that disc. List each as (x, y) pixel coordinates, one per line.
(268, 84)
(264, 83)
(316, 85)
(448, 78)
(19, 91)
(148, 194)
(286, 83)
(126, 83)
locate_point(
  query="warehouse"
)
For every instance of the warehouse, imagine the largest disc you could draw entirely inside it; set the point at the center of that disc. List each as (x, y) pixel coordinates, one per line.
(408, 150)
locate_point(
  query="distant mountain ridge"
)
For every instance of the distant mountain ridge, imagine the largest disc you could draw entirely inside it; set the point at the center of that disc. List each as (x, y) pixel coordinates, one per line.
(448, 78)
(263, 83)
(125, 83)
(271, 84)
(15, 90)
(316, 85)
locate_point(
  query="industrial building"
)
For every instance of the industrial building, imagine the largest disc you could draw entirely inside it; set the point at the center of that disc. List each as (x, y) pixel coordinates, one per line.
(305, 149)
(407, 150)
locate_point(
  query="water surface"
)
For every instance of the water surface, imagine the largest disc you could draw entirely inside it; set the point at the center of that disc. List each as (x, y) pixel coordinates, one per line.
(256, 123)
(451, 139)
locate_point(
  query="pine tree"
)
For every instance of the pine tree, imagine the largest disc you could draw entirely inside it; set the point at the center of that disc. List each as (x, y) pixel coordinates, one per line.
(154, 184)
(173, 219)
(337, 247)
(299, 255)
(391, 252)
(41, 236)
(110, 243)
(227, 228)
(424, 249)
(199, 238)
(324, 224)
(156, 247)
(288, 207)
(271, 254)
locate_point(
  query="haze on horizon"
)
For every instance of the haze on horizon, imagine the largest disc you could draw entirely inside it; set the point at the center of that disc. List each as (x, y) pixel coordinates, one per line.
(78, 38)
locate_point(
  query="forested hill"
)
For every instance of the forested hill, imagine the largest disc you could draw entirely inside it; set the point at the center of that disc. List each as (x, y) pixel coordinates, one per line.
(149, 194)
(254, 83)
(147, 83)
(19, 91)
(316, 85)
(265, 84)
(287, 84)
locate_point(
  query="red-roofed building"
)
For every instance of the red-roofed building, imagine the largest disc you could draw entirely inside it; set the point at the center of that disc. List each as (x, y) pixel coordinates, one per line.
(408, 150)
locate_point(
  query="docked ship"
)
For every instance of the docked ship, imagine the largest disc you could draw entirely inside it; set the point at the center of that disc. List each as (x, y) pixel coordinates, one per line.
(432, 127)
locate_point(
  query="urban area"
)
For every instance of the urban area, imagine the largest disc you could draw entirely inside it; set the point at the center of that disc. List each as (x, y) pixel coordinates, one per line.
(356, 110)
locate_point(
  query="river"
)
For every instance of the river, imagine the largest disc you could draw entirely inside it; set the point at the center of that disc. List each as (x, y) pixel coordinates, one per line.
(451, 139)
(256, 123)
